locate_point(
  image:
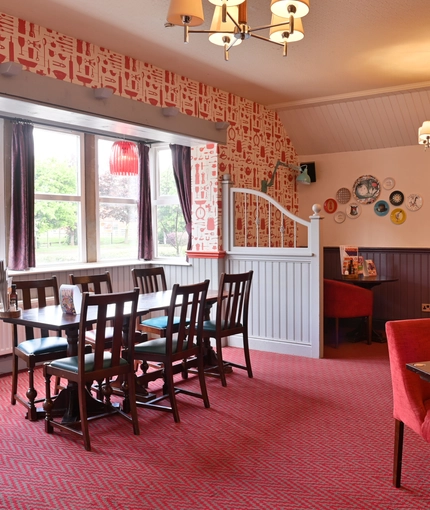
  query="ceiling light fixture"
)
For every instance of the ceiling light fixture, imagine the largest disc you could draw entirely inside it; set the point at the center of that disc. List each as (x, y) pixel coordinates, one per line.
(230, 27)
(424, 134)
(124, 158)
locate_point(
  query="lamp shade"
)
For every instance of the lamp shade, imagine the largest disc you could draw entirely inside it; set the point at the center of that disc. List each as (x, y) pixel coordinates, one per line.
(223, 29)
(185, 12)
(276, 33)
(280, 8)
(228, 2)
(124, 158)
(424, 132)
(303, 177)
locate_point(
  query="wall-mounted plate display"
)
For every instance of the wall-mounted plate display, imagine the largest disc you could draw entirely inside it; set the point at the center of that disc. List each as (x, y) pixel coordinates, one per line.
(353, 211)
(389, 183)
(330, 205)
(414, 202)
(339, 217)
(343, 195)
(398, 216)
(381, 208)
(366, 189)
(397, 197)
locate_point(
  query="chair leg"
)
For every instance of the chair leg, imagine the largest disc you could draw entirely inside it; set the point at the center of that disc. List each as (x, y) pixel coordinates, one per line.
(336, 332)
(369, 329)
(14, 379)
(47, 404)
(31, 395)
(82, 388)
(131, 393)
(202, 380)
(220, 362)
(246, 352)
(170, 388)
(398, 452)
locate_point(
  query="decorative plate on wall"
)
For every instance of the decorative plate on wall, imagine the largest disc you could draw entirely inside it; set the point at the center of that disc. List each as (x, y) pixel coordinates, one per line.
(339, 217)
(397, 197)
(343, 195)
(414, 202)
(389, 183)
(398, 216)
(353, 211)
(366, 189)
(381, 208)
(330, 205)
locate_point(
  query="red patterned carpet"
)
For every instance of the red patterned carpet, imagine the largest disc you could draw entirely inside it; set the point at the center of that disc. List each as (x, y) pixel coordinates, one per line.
(303, 434)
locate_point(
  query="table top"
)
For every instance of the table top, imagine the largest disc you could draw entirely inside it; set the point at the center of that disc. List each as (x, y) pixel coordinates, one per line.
(420, 367)
(52, 316)
(367, 281)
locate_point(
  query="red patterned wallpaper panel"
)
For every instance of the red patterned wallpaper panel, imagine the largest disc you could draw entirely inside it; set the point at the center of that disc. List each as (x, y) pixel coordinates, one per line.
(256, 137)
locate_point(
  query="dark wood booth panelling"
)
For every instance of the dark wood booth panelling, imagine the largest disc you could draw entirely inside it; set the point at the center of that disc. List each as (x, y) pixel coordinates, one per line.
(402, 299)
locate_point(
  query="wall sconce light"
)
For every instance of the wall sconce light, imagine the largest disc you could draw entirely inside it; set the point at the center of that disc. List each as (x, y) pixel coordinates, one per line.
(103, 93)
(10, 68)
(424, 134)
(219, 126)
(302, 178)
(170, 111)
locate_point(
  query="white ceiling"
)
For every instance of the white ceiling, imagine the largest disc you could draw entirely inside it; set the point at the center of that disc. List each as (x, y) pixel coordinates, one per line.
(360, 79)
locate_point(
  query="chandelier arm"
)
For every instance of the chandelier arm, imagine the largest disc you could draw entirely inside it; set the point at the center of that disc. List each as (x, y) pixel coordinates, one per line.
(211, 32)
(266, 39)
(234, 21)
(268, 26)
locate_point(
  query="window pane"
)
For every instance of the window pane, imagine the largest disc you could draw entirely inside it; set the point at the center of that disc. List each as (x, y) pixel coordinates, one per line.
(114, 186)
(57, 175)
(57, 162)
(118, 231)
(172, 238)
(118, 196)
(56, 226)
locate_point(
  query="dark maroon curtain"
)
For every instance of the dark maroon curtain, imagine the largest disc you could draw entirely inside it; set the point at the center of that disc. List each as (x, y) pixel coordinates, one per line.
(22, 254)
(146, 246)
(181, 159)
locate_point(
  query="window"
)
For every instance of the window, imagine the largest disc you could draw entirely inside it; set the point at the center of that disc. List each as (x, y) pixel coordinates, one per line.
(118, 199)
(58, 204)
(170, 236)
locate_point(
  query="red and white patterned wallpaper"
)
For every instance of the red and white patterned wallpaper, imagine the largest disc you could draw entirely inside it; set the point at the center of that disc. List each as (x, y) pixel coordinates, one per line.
(256, 137)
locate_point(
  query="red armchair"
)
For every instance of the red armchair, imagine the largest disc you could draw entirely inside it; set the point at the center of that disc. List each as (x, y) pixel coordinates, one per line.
(345, 300)
(408, 341)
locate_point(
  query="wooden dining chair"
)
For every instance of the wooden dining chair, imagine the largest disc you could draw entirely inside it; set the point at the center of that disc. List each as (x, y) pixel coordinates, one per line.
(148, 280)
(99, 365)
(35, 349)
(231, 319)
(97, 284)
(408, 342)
(188, 303)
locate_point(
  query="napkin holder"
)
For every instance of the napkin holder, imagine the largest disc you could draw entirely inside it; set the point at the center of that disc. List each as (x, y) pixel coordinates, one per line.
(70, 299)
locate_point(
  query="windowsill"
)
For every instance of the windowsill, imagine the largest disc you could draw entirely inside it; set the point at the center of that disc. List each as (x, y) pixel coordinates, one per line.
(97, 265)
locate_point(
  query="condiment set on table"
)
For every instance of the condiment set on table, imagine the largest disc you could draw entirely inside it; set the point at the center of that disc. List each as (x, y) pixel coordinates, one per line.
(8, 295)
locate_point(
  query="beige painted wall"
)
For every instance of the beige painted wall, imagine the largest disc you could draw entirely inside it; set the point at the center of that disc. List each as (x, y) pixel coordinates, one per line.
(409, 166)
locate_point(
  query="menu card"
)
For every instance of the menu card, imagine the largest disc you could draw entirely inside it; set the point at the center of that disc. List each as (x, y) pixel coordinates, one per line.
(70, 299)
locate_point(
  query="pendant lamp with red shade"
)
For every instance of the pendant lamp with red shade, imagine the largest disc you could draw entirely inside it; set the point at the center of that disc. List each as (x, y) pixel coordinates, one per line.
(124, 158)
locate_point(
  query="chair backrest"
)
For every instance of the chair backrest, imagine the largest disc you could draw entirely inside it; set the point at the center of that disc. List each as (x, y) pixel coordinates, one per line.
(118, 308)
(188, 302)
(97, 283)
(233, 302)
(149, 280)
(37, 293)
(345, 300)
(408, 342)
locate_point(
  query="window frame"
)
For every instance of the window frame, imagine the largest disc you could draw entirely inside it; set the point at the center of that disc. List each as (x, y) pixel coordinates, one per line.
(55, 197)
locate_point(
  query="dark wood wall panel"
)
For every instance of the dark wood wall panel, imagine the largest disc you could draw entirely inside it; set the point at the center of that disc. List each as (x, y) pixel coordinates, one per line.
(397, 300)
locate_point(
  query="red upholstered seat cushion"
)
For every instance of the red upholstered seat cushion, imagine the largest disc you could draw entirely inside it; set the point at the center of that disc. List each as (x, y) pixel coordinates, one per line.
(344, 300)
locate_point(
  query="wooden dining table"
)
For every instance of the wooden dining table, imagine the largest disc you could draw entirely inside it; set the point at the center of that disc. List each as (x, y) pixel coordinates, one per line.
(52, 317)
